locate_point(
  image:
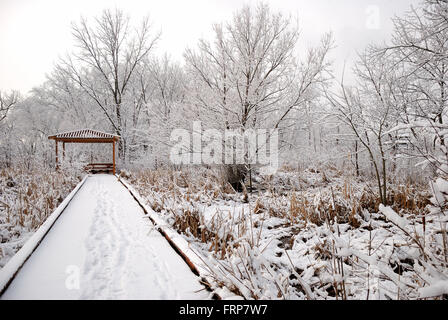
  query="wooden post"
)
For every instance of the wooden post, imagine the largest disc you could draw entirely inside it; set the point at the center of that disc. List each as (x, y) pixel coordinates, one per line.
(57, 160)
(63, 150)
(113, 157)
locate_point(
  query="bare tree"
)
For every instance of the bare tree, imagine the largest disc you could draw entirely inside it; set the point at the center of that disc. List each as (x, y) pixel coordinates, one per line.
(367, 110)
(106, 60)
(250, 77)
(419, 47)
(7, 102)
(158, 94)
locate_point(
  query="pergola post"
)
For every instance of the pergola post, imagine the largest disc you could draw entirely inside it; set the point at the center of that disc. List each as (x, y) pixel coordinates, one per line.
(57, 159)
(63, 150)
(113, 157)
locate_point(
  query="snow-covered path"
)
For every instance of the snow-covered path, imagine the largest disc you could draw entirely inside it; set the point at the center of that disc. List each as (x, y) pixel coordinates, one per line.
(102, 247)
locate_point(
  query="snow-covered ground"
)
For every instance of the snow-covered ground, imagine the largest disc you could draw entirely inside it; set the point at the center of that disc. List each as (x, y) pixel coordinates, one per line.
(102, 247)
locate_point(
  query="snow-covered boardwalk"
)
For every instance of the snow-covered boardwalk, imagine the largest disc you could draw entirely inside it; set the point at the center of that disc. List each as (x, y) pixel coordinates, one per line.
(102, 247)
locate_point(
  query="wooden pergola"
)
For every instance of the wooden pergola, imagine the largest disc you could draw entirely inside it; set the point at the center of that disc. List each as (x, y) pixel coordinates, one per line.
(87, 136)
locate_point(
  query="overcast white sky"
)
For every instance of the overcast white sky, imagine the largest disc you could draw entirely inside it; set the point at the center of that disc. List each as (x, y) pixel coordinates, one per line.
(33, 33)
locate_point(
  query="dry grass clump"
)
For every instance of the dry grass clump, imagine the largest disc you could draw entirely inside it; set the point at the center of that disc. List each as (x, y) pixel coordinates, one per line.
(409, 199)
(177, 194)
(27, 198)
(191, 223)
(347, 203)
(188, 182)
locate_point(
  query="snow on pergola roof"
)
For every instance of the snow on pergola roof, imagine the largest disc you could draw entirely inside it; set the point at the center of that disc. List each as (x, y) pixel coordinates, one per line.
(85, 136)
